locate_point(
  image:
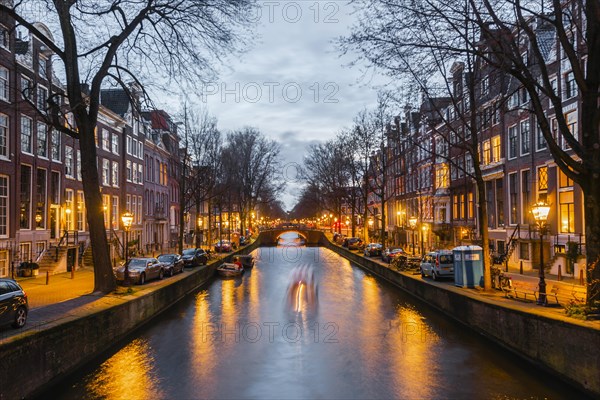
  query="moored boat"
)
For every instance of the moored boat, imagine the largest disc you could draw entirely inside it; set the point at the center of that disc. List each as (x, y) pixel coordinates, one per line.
(246, 260)
(230, 269)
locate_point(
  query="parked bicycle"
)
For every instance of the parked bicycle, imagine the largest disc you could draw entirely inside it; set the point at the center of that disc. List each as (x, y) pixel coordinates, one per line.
(499, 280)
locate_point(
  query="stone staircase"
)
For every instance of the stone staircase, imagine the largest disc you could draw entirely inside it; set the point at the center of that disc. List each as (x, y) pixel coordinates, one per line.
(88, 260)
(51, 259)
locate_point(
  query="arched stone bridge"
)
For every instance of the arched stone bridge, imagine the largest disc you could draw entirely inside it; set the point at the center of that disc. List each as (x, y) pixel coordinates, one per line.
(270, 237)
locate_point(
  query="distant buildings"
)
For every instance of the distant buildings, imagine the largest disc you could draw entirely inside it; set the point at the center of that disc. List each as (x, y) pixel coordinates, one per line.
(42, 206)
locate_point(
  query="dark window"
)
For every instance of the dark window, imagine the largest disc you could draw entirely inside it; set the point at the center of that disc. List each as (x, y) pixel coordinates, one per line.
(512, 184)
(25, 212)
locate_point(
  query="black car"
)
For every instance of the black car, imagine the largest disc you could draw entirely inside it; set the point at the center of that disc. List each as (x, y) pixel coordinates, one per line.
(352, 243)
(373, 249)
(14, 306)
(173, 263)
(194, 257)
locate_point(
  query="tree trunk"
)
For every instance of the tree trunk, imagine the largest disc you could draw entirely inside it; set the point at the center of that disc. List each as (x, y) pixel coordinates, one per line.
(592, 240)
(104, 280)
(209, 238)
(196, 227)
(485, 234)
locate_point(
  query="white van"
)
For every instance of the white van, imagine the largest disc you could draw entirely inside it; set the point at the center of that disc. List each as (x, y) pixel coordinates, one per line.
(438, 264)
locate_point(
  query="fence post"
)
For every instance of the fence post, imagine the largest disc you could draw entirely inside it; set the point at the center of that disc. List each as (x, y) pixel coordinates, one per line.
(47, 277)
(559, 272)
(581, 277)
(521, 267)
(73, 272)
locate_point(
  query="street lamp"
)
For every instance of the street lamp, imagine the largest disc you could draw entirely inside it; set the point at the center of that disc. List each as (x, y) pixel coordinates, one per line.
(424, 229)
(412, 221)
(540, 212)
(127, 220)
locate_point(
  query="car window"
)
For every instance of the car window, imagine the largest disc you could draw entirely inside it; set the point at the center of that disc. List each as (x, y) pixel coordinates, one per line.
(166, 258)
(4, 288)
(188, 252)
(446, 259)
(137, 263)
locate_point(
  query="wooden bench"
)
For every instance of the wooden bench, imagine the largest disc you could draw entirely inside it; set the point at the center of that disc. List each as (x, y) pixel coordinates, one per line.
(519, 291)
(579, 293)
(551, 291)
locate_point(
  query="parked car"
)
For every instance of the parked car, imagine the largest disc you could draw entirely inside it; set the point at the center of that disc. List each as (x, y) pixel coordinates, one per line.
(14, 305)
(338, 238)
(353, 243)
(390, 253)
(141, 270)
(373, 249)
(173, 263)
(223, 246)
(194, 257)
(438, 264)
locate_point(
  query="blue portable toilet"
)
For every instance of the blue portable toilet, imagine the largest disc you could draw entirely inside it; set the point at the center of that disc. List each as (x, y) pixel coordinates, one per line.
(468, 266)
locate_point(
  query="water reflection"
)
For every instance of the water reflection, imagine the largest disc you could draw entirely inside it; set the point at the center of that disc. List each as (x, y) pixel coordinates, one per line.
(129, 374)
(234, 339)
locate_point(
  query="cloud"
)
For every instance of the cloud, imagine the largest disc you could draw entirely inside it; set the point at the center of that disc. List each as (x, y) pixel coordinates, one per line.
(292, 84)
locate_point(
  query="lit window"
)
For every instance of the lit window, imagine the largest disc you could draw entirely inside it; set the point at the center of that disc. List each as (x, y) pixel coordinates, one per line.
(496, 149)
(567, 212)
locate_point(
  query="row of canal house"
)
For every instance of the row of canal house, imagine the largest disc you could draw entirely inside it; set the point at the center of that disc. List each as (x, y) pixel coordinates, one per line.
(42, 207)
(435, 203)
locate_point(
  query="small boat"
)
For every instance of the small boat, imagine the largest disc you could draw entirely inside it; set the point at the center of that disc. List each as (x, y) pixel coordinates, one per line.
(230, 269)
(246, 260)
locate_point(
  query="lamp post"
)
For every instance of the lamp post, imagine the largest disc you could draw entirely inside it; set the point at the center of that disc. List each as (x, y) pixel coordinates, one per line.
(424, 229)
(540, 212)
(127, 219)
(412, 221)
(199, 223)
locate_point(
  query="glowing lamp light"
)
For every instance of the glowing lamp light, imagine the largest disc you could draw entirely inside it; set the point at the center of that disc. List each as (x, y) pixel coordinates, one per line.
(38, 218)
(127, 220)
(413, 222)
(540, 212)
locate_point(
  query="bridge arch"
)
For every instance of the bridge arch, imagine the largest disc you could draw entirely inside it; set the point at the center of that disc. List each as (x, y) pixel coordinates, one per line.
(302, 235)
(270, 237)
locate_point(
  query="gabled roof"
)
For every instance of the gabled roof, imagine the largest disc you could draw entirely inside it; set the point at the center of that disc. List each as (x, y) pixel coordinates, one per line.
(116, 100)
(546, 39)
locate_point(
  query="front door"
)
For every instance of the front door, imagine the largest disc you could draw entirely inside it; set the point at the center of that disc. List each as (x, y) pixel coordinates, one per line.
(53, 222)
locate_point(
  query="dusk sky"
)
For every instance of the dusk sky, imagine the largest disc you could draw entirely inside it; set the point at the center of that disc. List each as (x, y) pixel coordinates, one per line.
(292, 83)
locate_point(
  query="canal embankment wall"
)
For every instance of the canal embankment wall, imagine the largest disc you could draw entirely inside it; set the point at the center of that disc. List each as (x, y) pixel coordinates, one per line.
(39, 357)
(565, 347)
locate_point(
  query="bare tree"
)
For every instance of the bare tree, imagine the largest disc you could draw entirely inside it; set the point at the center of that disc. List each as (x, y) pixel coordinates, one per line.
(410, 38)
(326, 169)
(252, 162)
(131, 40)
(205, 148)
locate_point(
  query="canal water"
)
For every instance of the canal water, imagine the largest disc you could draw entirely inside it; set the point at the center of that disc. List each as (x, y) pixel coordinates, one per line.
(354, 337)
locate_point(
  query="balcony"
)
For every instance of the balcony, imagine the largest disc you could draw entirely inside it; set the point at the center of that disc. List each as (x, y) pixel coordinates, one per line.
(160, 212)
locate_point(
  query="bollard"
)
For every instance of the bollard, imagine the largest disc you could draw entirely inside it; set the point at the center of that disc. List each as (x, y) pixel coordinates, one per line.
(559, 272)
(581, 277)
(47, 277)
(73, 272)
(521, 267)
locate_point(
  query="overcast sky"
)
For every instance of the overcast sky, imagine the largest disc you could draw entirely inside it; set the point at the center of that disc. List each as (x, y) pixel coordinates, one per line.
(291, 83)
